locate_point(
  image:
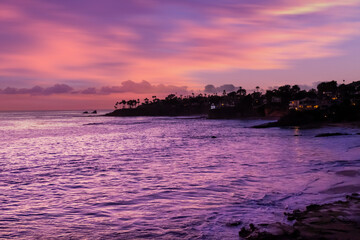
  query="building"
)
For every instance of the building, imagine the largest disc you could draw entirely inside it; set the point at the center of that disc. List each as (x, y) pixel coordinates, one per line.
(304, 104)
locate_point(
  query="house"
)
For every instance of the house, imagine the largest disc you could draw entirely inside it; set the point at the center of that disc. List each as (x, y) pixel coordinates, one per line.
(304, 104)
(294, 104)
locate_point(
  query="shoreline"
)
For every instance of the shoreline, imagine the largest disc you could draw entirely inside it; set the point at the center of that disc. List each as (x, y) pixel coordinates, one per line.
(355, 124)
(336, 220)
(347, 124)
(133, 112)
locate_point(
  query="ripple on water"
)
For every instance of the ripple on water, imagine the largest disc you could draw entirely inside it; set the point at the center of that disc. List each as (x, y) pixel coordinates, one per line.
(160, 178)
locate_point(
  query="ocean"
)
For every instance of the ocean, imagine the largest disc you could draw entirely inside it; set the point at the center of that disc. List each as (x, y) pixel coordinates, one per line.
(66, 175)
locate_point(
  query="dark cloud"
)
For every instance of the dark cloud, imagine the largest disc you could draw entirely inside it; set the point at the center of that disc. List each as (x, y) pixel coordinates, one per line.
(37, 90)
(33, 91)
(143, 87)
(9, 90)
(89, 91)
(58, 88)
(212, 89)
(125, 87)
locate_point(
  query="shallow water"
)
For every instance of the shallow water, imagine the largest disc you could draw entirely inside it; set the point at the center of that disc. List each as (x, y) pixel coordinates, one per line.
(64, 175)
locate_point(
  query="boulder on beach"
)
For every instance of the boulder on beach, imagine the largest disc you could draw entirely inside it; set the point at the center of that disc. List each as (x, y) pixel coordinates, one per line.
(338, 220)
(331, 134)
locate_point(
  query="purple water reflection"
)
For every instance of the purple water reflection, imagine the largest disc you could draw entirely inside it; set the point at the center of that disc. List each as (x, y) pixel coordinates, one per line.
(66, 176)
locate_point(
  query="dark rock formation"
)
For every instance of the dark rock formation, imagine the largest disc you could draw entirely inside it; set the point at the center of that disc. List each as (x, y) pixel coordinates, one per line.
(338, 220)
(330, 134)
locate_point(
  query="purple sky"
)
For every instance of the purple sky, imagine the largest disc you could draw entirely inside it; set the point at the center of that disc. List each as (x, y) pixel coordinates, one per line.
(63, 54)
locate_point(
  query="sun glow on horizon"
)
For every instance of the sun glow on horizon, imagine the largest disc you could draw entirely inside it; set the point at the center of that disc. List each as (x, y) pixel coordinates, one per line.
(92, 45)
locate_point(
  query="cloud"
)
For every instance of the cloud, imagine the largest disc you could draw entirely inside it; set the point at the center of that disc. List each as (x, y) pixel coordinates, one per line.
(58, 89)
(164, 41)
(90, 90)
(312, 6)
(226, 87)
(37, 90)
(125, 87)
(143, 87)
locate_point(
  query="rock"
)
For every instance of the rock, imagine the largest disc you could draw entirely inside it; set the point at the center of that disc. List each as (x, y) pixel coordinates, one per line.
(252, 227)
(267, 125)
(233, 224)
(354, 196)
(330, 134)
(294, 215)
(91, 124)
(244, 233)
(313, 207)
(337, 220)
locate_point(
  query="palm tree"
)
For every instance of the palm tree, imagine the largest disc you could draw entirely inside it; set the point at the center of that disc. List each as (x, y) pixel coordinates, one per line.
(241, 91)
(155, 100)
(123, 103)
(129, 103)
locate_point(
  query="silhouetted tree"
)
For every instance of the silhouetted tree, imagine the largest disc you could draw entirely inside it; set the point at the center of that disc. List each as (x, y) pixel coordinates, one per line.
(241, 91)
(123, 102)
(325, 87)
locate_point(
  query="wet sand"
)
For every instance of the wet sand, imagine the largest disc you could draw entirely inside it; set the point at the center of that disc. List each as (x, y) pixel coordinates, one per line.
(337, 220)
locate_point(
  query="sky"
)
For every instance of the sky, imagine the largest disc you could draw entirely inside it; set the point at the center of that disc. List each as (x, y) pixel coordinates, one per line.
(88, 54)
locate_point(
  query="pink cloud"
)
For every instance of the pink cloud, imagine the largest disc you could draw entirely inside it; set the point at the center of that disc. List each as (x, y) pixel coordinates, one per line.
(129, 86)
(165, 42)
(243, 41)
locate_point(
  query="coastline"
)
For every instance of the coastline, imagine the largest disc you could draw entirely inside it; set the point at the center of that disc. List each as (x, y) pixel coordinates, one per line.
(336, 220)
(355, 124)
(231, 216)
(352, 124)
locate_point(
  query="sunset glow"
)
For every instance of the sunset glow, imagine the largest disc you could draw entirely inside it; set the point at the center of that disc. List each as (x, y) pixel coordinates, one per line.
(168, 46)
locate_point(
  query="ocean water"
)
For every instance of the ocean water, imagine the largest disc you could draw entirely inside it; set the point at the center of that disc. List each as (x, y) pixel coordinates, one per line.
(65, 175)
